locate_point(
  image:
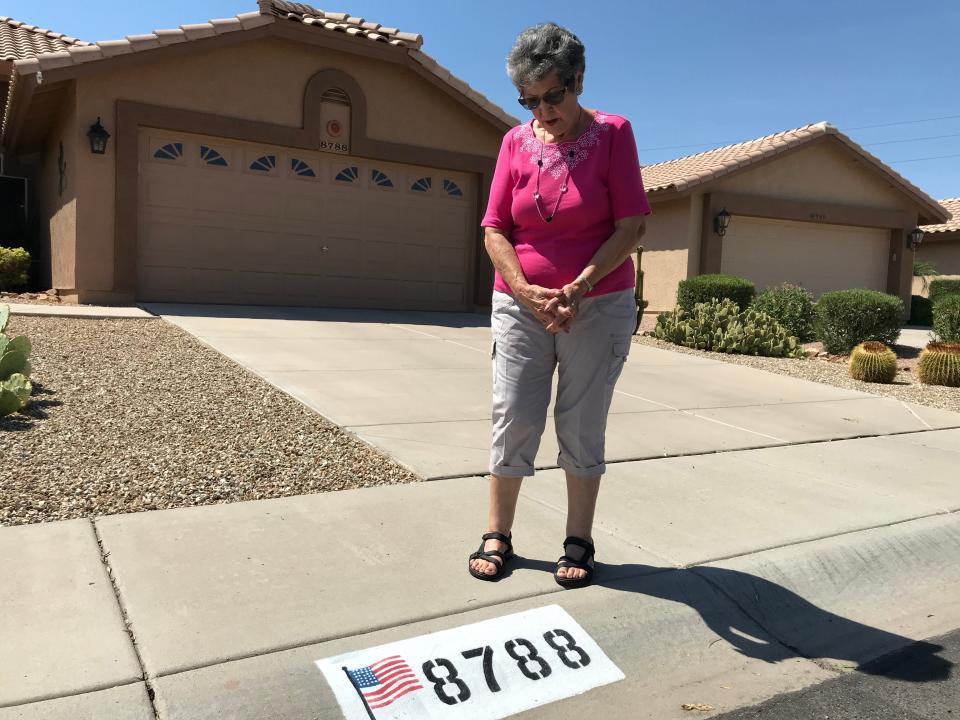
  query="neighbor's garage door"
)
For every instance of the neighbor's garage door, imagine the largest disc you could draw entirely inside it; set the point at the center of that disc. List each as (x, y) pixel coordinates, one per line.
(227, 222)
(819, 257)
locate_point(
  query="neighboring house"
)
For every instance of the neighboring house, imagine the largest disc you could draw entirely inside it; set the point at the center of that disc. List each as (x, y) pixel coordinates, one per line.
(941, 243)
(808, 206)
(285, 156)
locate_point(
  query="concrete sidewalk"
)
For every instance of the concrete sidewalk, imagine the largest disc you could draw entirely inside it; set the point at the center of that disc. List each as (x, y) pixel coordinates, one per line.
(724, 579)
(764, 554)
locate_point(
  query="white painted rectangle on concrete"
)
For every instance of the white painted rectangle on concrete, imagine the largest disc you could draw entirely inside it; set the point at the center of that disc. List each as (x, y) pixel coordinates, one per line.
(483, 671)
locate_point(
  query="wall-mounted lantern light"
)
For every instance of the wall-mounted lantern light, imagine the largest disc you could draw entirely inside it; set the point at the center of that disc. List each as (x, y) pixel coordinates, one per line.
(98, 138)
(721, 222)
(914, 239)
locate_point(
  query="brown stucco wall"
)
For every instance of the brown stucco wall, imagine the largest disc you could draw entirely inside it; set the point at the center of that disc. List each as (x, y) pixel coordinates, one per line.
(822, 170)
(943, 252)
(57, 212)
(670, 243)
(262, 80)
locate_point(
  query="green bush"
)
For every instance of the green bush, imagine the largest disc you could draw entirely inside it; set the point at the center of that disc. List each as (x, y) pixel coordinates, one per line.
(720, 326)
(942, 288)
(791, 306)
(14, 264)
(921, 311)
(705, 288)
(846, 318)
(922, 268)
(946, 319)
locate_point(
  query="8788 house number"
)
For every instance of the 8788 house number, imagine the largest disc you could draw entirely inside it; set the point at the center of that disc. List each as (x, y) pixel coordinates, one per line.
(452, 690)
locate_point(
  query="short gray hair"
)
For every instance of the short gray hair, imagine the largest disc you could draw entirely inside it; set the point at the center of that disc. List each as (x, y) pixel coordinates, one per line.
(543, 49)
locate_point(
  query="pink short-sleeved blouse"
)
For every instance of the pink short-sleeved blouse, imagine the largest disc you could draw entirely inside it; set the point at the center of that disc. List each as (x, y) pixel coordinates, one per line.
(604, 186)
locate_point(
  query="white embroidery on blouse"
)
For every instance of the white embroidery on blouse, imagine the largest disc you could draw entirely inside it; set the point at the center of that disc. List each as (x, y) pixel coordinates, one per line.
(556, 156)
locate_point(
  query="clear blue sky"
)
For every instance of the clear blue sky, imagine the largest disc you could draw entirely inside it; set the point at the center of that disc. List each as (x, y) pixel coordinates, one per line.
(684, 71)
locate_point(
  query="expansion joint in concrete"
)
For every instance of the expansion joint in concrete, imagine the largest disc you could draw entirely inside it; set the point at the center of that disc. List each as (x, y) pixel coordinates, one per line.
(127, 623)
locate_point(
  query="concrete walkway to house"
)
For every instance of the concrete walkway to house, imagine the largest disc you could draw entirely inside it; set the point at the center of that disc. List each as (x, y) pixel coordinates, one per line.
(757, 534)
(81, 311)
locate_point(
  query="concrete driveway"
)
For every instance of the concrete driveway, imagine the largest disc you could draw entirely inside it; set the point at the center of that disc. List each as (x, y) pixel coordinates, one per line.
(417, 385)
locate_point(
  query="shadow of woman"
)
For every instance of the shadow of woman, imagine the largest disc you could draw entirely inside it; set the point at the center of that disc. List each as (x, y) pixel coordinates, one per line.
(734, 604)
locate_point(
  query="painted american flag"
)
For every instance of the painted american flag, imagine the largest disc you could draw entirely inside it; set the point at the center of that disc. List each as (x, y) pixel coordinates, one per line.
(385, 681)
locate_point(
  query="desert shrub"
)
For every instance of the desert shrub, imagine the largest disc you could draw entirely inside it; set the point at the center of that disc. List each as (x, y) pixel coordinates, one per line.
(946, 319)
(791, 306)
(922, 268)
(720, 326)
(14, 264)
(705, 288)
(846, 318)
(941, 288)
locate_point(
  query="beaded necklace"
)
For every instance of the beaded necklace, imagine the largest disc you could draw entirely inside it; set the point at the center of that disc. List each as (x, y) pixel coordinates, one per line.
(563, 185)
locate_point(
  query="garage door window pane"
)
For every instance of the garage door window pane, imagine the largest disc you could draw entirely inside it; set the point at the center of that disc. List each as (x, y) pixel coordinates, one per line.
(381, 180)
(212, 157)
(349, 174)
(452, 188)
(170, 151)
(301, 168)
(422, 185)
(264, 163)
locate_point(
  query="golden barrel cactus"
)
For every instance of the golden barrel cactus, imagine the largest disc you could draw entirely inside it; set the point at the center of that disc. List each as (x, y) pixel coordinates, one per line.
(939, 364)
(873, 362)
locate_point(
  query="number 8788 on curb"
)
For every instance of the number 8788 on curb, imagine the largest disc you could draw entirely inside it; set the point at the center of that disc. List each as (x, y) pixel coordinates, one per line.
(451, 689)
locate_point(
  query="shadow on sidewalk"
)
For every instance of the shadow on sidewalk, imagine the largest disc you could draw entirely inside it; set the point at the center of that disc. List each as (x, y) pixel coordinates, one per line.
(798, 626)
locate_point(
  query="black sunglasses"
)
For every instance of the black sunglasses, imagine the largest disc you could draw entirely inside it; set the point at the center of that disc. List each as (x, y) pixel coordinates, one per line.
(551, 97)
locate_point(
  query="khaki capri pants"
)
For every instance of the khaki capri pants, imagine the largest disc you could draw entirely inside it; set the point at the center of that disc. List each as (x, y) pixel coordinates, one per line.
(590, 358)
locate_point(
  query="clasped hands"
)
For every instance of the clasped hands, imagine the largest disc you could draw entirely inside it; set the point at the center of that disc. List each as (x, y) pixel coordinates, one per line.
(556, 309)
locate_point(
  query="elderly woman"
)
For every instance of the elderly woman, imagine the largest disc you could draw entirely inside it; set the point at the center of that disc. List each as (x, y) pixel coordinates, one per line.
(566, 211)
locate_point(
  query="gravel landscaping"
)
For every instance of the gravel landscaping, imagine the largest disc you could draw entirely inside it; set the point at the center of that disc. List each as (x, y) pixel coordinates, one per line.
(131, 415)
(834, 371)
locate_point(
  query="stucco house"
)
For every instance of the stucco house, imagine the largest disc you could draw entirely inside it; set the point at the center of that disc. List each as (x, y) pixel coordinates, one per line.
(807, 206)
(284, 156)
(941, 242)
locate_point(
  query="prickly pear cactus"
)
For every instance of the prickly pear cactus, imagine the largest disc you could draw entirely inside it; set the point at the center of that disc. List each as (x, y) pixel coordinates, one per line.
(20, 386)
(939, 364)
(720, 326)
(874, 362)
(4, 317)
(13, 362)
(9, 402)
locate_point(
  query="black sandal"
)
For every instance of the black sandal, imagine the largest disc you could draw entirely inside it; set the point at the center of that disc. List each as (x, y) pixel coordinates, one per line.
(582, 564)
(492, 556)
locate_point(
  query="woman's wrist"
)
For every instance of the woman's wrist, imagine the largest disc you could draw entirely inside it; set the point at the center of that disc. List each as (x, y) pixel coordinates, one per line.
(583, 282)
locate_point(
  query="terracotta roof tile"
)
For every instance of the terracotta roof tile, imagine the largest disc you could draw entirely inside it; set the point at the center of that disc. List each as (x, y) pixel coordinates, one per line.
(952, 206)
(19, 41)
(50, 50)
(196, 31)
(686, 172)
(110, 48)
(170, 37)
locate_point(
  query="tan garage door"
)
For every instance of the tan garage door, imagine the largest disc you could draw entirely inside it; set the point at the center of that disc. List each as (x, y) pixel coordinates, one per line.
(819, 257)
(222, 221)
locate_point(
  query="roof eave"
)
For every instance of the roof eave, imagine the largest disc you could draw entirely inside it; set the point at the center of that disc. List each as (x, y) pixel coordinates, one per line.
(80, 62)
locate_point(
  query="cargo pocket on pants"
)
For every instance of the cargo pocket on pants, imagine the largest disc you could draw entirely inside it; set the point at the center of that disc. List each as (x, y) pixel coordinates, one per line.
(618, 356)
